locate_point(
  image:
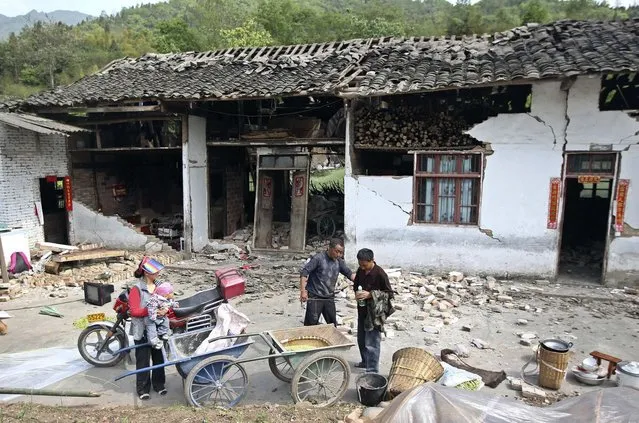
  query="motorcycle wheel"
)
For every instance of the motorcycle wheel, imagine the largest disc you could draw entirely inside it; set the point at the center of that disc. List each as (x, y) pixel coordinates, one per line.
(92, 338)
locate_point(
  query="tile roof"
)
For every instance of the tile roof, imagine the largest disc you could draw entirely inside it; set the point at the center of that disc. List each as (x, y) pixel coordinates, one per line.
(38, 124)
(362, 67)
(556, 50)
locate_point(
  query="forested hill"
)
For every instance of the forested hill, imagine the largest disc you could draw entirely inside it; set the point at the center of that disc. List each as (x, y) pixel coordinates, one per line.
(45, 55)
(9, 24)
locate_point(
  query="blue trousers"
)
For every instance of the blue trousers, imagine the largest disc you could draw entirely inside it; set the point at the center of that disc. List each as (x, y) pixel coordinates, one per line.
(369, 346)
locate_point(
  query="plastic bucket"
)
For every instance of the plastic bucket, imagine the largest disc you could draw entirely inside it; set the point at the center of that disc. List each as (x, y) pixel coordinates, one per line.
(371, 388)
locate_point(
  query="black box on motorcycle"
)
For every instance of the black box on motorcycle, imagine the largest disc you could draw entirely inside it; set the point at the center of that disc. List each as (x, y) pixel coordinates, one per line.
(97, 293)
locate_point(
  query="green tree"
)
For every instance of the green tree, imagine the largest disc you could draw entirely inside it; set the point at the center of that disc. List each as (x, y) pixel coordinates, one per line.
(251, 34)
(174, 36)
(465, 19)
(534, 11)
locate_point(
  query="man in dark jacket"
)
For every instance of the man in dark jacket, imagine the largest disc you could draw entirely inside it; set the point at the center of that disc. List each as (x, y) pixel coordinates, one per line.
(373, 292)
(317, 283)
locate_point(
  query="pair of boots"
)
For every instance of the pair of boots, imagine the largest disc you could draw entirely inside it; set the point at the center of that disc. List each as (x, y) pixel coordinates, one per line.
(158, 343)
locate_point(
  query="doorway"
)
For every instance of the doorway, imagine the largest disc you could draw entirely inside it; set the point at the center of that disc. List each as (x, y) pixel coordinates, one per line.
(588, 188)
(54, 212)
(217, 201)
(281, 203)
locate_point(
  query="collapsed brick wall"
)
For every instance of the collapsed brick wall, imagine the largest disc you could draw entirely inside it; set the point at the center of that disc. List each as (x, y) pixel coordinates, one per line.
(25, 157)
(150, 183)
(84, 187)
(234, 199)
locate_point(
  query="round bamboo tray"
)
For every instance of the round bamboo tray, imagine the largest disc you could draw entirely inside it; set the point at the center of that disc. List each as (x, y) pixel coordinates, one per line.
(412, 367)
(552, 367)
(304, 343)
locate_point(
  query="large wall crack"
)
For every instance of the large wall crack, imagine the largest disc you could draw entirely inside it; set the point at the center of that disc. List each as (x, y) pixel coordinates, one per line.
(489, 233)
(386, 199)
(543, 122)
(567, 117)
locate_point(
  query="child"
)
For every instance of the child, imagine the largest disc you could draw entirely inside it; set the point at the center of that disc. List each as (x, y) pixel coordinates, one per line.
(157, 327)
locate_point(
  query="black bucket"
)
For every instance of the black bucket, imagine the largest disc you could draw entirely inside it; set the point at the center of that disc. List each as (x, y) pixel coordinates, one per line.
(371, 388)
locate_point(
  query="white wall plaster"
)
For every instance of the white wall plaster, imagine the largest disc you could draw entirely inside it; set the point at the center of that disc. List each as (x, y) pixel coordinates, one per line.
(93, 227)
(196, 191)
(589, 125)
(528, 151)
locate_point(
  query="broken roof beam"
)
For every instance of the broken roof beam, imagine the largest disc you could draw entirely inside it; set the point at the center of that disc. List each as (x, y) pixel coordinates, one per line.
(104, 109)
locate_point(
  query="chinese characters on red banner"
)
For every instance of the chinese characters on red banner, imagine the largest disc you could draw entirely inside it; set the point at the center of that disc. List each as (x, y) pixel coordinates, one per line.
(622, 192)
(300, 182)
(68, 194)
(589, 179)
(553, 205)
(267, 192)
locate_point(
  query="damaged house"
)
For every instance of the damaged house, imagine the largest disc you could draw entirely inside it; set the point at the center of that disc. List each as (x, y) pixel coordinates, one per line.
(510, 154)
(35, 182)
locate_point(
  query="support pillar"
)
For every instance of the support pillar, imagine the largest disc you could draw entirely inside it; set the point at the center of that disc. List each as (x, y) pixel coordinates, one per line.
(195, 184)
(350, 181)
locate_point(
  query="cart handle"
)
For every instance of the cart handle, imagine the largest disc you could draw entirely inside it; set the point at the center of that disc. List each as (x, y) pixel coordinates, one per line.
(146, 369)
(131, 347)
(246, 335)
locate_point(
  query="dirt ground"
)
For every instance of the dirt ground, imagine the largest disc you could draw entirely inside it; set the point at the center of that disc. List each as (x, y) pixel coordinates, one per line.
(592, 317)
(267, 413)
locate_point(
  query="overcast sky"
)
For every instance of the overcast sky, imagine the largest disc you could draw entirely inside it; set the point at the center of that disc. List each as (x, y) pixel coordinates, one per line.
(91, 7)
(95, 7)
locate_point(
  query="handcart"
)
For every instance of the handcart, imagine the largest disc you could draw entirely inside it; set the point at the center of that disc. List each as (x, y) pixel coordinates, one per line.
(308, 357)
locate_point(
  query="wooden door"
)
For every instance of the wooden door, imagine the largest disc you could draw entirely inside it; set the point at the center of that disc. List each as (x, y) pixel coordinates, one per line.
(264, 212)
(299, 198)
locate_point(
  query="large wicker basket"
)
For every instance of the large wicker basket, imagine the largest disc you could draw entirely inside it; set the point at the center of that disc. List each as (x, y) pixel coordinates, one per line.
(552, 367)
(412, 367)
(303, 343)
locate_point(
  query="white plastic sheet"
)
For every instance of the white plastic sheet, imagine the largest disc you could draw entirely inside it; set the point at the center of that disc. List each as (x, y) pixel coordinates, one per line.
(229, 322)
(433, 403)
(39, 368)
(453, 376)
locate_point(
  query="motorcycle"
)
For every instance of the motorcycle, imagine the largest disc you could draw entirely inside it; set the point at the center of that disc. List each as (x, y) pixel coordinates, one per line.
(99, 342)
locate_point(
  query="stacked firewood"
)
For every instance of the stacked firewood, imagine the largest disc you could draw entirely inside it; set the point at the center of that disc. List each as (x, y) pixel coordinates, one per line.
(409, 127)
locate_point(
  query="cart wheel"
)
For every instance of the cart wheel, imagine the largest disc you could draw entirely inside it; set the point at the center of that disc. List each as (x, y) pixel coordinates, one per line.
(321, 379)
(281, 368)
(216, 381)
(326, 226)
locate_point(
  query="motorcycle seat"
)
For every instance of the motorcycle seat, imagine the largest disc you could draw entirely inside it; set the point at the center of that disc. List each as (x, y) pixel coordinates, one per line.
(188, 311)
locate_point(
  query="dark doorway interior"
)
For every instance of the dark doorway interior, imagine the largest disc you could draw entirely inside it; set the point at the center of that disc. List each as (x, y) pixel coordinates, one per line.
(217, 186)
(583, 238)
(54, 212)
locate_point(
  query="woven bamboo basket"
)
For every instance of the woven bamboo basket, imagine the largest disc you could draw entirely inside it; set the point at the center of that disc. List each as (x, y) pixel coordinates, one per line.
(303, 343)
(552, 367)
(412, 367)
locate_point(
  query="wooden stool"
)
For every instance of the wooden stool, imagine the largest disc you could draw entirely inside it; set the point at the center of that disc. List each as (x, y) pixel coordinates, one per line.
(612, 361)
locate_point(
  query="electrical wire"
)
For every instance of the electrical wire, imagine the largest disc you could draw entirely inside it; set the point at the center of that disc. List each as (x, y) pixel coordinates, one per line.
(279, 114)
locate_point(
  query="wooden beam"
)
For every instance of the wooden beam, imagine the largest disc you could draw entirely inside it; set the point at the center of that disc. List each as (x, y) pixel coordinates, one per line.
(278, 142)
(124, 149)
(3, 265)
(98, 138)
(122, 120)
(103, 109)
(88, 255)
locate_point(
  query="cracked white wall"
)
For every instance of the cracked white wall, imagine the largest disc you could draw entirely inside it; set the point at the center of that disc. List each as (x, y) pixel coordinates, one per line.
(195, 185)
(589, 125)
(527, 151)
